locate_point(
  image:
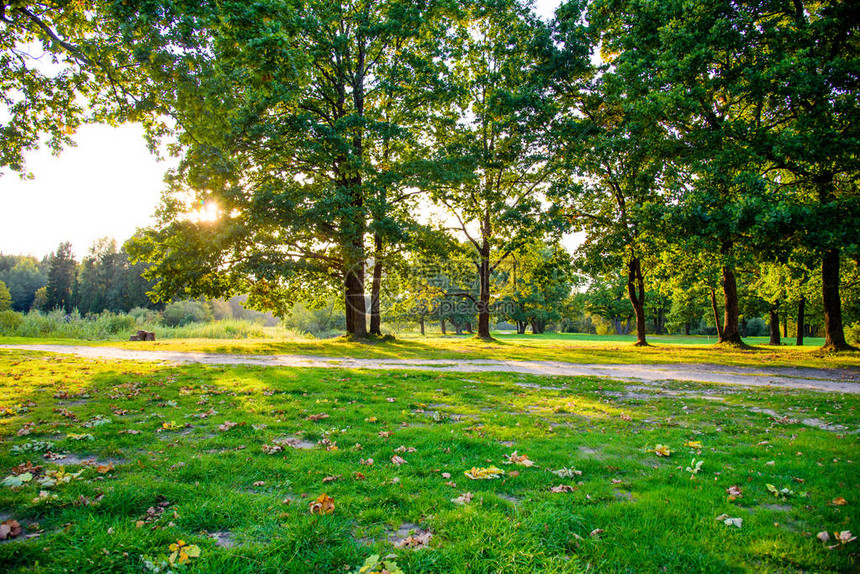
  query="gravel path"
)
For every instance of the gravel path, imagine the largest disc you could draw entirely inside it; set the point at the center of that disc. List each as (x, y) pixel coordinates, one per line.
(832, 380)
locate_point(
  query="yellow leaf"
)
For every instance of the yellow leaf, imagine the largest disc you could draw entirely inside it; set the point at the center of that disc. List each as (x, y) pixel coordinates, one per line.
(324, 504)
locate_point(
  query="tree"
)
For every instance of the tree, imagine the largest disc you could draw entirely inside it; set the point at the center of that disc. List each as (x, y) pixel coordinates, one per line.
(107, 281)
(496, 137)
(606, 298)
(61, 278)
(63, 63)
(289, 131)
(23, 275)
(540, 284)
(700, 61)
(812, 50)
(5, 297)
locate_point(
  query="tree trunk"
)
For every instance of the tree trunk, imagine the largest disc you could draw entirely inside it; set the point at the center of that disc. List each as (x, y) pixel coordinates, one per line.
(442, 323)
(785, 325)
(687, 328)
(484, 297)
(774, 326)
(376, 287)
(469, 327)
(421, 323)
(731, 328)
(801, 312)
(636, 292)
(521, 327)
(716, 313)
(834, 335)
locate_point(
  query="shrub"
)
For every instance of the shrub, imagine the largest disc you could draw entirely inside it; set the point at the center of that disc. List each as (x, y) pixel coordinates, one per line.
(852, 333)
(180, 313)
(10, 321)
(755, 327)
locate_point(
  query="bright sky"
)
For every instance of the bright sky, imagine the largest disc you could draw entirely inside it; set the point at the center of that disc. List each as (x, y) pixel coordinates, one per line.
(107, 186)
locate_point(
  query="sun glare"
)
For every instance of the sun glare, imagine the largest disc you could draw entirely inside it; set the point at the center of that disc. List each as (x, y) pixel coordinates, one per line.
(209, 211)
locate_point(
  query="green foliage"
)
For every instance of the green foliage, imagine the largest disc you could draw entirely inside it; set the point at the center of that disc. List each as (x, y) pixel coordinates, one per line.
(61, 278)
(852, 333)
(106, 280)
(5, 297)
(10, 321)
(23, 276)
(324, 320)
(179, 313)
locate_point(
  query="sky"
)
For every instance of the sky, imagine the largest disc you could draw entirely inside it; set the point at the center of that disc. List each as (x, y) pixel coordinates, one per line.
(108, 185)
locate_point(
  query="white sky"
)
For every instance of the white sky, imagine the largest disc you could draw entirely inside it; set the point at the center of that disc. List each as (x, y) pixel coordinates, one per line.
(107, 186)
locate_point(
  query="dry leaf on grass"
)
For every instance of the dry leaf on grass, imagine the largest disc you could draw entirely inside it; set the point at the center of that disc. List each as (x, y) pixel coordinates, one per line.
(272, 449)
(562, 488)
(9, 529)
(662, 450)
(415, 541)
(317, 417)
(487, 473)
(324, 504)
(397, 460)
(519, 459)
(464, 498)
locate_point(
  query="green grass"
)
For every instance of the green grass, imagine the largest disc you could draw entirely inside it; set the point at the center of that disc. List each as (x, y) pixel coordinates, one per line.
(654, 517)
(573, 348)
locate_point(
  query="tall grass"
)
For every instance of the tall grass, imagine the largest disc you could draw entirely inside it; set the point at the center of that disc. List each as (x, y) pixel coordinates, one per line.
(119, 326)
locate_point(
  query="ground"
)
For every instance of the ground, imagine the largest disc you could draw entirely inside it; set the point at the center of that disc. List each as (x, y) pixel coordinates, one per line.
(160, 461)
(566, 347)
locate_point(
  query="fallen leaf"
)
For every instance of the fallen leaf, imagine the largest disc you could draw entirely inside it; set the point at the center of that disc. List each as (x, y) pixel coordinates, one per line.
(662, 450)
(331, 478)
(317, 417)
(519, 459)
(9, 529)
(596, 532)
(839, 501)
(488, 473)
(464, 498)
(397, 460)
(415, 541)
(324, 504)
(562, 488)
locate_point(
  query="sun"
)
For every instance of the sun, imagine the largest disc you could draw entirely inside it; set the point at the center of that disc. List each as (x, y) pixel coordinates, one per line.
(208, 211)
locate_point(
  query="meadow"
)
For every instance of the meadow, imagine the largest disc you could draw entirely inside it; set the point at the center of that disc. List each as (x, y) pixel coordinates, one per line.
(119, 467)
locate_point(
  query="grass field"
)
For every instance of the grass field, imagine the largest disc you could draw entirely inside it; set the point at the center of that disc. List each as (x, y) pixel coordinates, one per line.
(574, 348)
(160, 461)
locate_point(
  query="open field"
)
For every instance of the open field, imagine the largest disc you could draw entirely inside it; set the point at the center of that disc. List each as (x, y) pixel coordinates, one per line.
(159, 462)
(573, 348)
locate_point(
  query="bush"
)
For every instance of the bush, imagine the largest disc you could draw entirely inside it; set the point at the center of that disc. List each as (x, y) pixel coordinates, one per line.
(148, 317)
(755, 327)
(10, 321)
(326, 321)
(852, 333)
(179, 313)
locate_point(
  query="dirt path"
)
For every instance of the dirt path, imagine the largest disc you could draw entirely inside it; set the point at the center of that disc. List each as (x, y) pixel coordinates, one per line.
(833, 380)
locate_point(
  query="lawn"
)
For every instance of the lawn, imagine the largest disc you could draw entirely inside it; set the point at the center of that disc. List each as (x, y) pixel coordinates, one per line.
(573, 348)
(152, 457)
